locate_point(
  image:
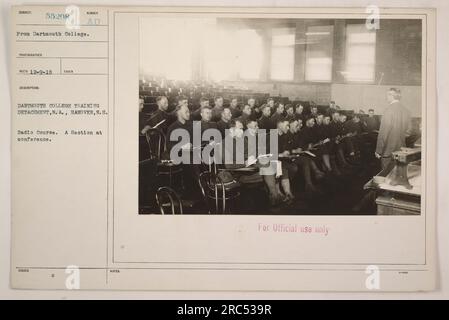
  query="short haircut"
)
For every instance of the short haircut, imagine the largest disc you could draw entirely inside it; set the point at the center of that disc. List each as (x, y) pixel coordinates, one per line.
(233, 122)
(319, 114)
(218, 97)
(396, 93)
(310, 118)
(369, 110)
(203, 99)
(224, 109)
(204, 108)
(159, 98)
(270, 99)
(280, 120)
(289, 106)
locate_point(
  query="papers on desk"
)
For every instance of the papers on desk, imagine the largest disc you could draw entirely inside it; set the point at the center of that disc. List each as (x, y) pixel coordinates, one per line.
(252, 159)
(308, 153)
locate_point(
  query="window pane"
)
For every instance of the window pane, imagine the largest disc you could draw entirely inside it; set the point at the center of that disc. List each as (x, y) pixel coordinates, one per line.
(283, 54)
(360, 53)
(250, 54)
(167, 47)
(284, 39)
(219, 62)
(320, 41)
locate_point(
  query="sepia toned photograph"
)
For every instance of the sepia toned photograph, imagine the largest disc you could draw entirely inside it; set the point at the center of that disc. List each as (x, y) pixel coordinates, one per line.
(274, 149)
(280, 116)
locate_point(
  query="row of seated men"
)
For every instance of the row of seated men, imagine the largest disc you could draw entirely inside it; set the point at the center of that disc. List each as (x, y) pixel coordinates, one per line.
(266, 114)
(313, 144)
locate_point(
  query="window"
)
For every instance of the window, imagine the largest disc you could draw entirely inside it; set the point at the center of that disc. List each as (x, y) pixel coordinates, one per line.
(167, 47)
(233, 54)
(250, 54)
(283, 54)
(360, 53)
(319, 46)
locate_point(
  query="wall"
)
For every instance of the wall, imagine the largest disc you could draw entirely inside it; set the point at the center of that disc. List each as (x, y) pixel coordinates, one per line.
(320, 93)
(356, 97)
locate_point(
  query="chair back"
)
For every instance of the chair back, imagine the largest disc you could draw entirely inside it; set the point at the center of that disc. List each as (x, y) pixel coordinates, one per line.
(167, 198)
(213, 189)
(156, 142)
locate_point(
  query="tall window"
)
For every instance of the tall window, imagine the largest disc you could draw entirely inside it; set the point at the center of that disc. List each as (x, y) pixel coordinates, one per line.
(229, 54)
(283, 54)
(250, 54)
(360, 53)
(319, 46)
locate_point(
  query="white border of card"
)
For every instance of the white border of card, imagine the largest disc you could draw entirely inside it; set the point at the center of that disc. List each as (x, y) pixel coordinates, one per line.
(74, 200)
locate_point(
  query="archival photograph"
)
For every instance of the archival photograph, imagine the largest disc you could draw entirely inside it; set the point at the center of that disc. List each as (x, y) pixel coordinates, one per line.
(259, 116)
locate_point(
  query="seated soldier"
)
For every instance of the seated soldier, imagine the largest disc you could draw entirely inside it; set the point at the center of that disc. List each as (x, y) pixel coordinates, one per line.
(206, 123)
(270, 103)
(371, 122)
(290, 112)
(299, 113)
(217, 109)
(183, 127)
(328, 149)
(196, 115)
(256, 112)
(278, 114)
(354, 128)
(246, 115)
(160, 118)
(346, 141)
(314, 111)
(264, 121)
(288, 168)
(235, 110)
(237, 152)
(305, 163)
(337, 132)
(224, 122)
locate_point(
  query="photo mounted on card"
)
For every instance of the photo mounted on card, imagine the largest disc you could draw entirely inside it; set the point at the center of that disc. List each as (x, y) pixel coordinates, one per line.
(212, 148)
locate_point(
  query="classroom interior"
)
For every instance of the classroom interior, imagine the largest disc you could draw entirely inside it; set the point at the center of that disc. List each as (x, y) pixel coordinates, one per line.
(307, 62)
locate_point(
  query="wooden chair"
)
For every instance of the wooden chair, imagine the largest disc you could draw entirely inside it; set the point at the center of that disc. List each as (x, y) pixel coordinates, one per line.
(167, 198)
(214, 190)
(157, 145)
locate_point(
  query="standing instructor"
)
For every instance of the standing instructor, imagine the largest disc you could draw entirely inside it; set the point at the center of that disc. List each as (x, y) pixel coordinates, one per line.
(394, 128)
